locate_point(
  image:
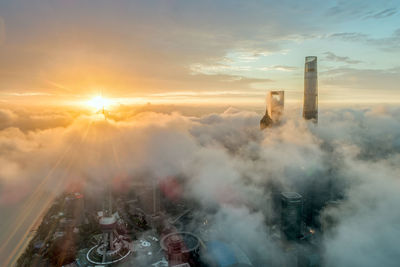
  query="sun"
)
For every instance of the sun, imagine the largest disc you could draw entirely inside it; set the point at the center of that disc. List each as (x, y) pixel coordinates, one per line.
(99, 103)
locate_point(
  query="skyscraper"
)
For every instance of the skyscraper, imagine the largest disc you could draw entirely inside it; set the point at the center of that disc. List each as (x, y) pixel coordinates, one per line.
(274, 110)
(291, 214)
(310, 106)
(275, 104)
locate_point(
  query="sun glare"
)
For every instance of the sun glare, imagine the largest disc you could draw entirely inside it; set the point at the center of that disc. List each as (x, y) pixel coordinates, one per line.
(99, 103)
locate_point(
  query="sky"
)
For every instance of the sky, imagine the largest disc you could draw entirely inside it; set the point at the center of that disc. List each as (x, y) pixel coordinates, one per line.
(211, 53)
(65, 52)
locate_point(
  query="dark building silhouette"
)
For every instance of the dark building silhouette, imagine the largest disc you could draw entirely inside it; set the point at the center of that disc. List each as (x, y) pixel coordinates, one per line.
(291, 214)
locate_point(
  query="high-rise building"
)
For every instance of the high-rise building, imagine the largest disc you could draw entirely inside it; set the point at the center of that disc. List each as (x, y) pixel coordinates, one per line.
(266, 121)
(291, 214)
(274, 110)
(275, 104)
(310, 105)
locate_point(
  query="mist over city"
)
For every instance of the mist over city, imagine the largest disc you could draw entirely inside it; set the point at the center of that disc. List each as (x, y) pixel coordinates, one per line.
(199, 134)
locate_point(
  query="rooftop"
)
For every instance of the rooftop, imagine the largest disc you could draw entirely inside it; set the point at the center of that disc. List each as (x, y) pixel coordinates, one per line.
(291, 195)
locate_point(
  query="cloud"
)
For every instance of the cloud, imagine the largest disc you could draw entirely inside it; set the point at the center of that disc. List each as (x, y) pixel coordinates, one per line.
(362, 10)
(26, 120)
(6, 116)
(388, 12)
(279, 68)
(389, 43)
(120, 45)
(349, 36)
(217, 69)
(370, 204)
(227, 163)
(332, 57)
(366, 80)
(124, 47)
(251, 233)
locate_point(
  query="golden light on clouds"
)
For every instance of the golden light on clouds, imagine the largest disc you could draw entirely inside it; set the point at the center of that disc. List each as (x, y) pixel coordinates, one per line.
(99, 102)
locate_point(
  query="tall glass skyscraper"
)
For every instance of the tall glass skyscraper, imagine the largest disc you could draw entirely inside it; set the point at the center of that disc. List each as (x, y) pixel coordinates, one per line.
(310, 105)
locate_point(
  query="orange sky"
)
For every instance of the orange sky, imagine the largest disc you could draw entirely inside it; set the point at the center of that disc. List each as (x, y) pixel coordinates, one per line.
(195, 52)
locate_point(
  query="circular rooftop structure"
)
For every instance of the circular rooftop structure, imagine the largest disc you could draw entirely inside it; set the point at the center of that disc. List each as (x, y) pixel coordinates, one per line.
(108, 222)
(185, 241)
(100, 255)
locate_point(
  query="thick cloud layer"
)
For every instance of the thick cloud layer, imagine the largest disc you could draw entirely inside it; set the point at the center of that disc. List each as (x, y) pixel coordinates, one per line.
(227, 164)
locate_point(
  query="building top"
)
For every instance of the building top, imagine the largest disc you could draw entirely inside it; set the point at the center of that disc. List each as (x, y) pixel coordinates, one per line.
(277, 92)
(310, 58)
(291, 195)
(191, 241)
(107, 220)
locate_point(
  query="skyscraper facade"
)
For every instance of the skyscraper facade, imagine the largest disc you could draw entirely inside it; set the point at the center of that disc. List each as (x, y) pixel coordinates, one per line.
(274, 110)
(291, 214)
(275, 104)
(310, 104)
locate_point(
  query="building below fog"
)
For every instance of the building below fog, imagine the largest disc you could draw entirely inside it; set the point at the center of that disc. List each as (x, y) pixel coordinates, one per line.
(291, 215)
